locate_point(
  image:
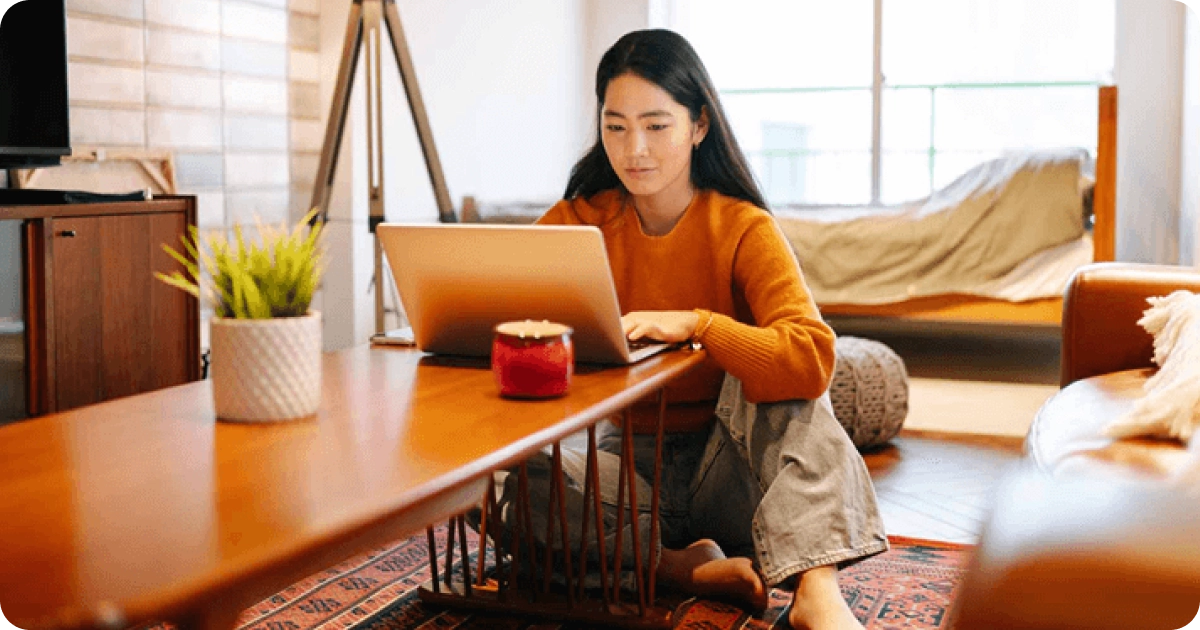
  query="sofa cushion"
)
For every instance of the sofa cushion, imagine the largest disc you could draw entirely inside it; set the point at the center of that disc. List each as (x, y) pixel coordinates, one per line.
(1067, 435)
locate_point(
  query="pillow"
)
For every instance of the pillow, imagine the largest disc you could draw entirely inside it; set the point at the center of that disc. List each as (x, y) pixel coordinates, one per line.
(1170, 407)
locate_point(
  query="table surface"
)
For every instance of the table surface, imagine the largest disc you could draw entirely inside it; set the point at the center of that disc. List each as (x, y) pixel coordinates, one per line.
(146, 508)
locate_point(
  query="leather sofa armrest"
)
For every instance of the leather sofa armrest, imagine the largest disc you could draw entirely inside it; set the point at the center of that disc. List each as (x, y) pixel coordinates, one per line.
(1089, 553)
(1101, 307)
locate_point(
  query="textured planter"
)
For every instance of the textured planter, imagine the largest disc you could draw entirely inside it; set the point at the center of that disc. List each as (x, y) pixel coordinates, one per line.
(266, 370)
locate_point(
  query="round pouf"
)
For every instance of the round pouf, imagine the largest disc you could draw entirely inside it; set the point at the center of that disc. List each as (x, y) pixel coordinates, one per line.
(869, 391)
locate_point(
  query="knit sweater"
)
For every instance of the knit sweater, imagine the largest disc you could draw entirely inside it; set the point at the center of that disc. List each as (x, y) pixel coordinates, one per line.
(727, 260)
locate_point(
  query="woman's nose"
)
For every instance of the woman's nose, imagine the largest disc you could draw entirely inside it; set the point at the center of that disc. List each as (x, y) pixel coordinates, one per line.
(638, 145)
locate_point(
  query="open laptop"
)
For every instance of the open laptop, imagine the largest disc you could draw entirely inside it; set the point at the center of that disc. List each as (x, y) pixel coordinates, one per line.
(458, 281)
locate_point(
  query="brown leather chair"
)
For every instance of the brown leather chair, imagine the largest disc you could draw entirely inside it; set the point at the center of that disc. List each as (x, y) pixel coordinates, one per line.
(1096, 534)
(1084, 553)
(1105, 362)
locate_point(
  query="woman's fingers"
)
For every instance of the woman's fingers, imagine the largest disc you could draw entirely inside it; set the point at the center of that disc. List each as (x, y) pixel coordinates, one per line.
(668, 326)
(633, 325)
(636, 325)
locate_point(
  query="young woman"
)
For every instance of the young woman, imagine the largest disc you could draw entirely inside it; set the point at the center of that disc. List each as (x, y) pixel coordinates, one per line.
(754, 461)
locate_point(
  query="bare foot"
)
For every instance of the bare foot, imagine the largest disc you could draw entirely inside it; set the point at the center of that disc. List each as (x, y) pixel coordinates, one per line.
(819, 604)
(703, 569)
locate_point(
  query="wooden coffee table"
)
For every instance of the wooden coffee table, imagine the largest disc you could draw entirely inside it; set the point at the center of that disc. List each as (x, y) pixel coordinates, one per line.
(146, 508)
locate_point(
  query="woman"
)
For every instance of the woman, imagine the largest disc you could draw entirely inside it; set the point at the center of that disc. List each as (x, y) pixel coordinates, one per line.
(696, 257)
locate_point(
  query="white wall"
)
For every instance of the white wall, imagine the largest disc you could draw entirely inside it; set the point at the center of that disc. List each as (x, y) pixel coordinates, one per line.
(1149, 71)
(1189, 215)
(219, 83)
(606, 21)
(502, 83)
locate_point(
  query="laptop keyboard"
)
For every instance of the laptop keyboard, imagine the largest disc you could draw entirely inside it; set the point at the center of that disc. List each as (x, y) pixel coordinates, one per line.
(642, 343)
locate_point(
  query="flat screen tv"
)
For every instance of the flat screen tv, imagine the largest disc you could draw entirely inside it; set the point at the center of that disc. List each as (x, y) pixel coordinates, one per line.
(34, 115)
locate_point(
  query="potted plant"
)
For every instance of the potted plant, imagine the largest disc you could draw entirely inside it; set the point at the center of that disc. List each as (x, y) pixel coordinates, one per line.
(265, 341)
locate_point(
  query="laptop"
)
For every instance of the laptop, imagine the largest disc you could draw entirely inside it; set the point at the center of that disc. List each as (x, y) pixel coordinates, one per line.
(458, 281)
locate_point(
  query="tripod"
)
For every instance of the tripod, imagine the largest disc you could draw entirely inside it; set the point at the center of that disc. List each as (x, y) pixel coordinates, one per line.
(364, 26)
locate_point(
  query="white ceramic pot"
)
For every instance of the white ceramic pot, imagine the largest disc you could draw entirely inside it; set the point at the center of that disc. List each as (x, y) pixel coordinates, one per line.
(266, 370)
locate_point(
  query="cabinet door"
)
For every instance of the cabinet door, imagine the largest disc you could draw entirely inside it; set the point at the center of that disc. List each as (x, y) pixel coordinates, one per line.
(174, 315)
(76, 313)
(117, 330)
(145, 323)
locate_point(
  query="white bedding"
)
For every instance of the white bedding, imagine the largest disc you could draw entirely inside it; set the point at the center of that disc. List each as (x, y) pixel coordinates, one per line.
(1011, 229)
(1043, 275)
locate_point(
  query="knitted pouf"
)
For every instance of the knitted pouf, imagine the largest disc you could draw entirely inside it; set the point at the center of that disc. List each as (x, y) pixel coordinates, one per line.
(869, 391)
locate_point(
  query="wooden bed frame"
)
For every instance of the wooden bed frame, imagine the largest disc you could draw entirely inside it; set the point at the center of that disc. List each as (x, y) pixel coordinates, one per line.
(971, 309)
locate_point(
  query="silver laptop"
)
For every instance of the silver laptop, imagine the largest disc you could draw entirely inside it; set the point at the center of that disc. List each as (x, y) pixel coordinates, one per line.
(458, 281)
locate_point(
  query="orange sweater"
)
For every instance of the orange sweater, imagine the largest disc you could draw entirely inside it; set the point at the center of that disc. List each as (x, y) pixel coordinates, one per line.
(727, 260)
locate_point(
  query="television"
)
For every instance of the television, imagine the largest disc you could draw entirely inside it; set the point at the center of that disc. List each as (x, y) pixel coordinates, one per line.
(34, 114)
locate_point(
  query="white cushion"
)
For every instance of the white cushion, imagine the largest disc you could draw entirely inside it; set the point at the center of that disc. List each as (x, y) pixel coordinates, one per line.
(1170, 407)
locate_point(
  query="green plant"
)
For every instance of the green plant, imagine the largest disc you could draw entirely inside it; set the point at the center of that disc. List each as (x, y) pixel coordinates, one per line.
(274, 278)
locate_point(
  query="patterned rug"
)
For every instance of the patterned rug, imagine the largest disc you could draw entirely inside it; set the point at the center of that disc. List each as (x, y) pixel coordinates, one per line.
(909, 587)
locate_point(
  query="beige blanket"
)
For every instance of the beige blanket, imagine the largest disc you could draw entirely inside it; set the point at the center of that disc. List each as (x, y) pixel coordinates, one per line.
(974, 231)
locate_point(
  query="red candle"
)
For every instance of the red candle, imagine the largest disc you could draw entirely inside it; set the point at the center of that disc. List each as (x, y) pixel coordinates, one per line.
(533, 359)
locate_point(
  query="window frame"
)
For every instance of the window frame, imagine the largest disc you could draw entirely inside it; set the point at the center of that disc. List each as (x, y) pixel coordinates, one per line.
(662, 12)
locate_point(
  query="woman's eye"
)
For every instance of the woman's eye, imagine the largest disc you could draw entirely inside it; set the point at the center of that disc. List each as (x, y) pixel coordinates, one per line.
(657, 127)
(614, 127)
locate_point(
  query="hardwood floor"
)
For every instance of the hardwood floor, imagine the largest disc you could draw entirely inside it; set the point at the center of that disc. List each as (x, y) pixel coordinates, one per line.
(938, 485)
(935, 483)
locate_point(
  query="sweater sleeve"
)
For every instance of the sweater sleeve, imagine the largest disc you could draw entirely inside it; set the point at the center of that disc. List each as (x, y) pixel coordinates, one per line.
(789, 354)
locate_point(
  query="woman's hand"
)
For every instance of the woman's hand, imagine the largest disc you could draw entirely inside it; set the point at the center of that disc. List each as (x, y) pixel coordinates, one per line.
(668, 326)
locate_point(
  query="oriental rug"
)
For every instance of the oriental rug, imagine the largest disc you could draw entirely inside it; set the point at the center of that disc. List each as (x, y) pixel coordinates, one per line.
(910, 587)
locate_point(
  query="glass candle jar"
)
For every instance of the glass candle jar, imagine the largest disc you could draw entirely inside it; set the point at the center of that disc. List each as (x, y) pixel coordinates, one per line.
(532, 359)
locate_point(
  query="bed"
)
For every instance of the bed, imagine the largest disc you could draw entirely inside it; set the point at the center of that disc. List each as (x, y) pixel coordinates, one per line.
(1027, 291)
(1004, 299)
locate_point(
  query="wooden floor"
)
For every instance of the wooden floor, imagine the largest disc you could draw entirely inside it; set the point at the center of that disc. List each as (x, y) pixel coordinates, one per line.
(938, 485)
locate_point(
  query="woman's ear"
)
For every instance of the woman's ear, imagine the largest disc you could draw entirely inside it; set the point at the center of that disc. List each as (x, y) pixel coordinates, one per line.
(700, 127)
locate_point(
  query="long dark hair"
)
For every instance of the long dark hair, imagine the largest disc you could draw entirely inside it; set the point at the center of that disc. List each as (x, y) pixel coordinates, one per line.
(667, 60)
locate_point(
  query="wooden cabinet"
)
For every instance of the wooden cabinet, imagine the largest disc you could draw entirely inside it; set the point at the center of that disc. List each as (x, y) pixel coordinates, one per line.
(98, 324)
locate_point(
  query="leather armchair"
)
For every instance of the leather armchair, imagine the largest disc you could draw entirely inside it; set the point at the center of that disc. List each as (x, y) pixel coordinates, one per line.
(1099, 533)
(1084, 553)
(1101, 307)
(1105, 362)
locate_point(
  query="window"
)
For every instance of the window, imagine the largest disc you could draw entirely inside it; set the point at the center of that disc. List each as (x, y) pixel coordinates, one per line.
(958, 82)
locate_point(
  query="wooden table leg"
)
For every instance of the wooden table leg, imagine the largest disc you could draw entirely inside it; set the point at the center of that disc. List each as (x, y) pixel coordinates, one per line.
(535, 596)
(655, 491)
(527, 518)
(466, 558)
(485, 508)
(450, 534)
(618, 546)
(562, 520)
(433, 570)
(635, 531)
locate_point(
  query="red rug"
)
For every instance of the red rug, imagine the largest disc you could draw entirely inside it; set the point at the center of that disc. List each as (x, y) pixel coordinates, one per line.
(909, 587)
